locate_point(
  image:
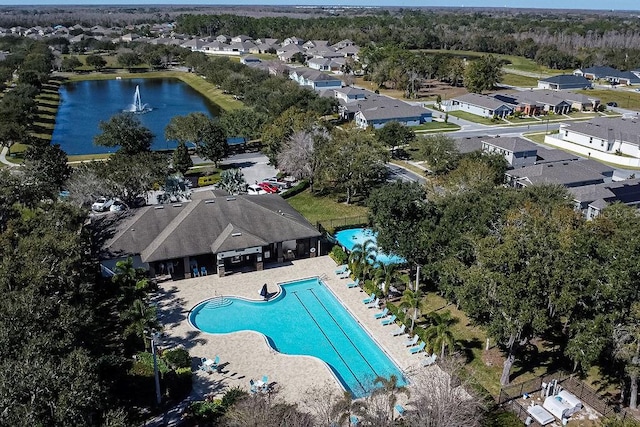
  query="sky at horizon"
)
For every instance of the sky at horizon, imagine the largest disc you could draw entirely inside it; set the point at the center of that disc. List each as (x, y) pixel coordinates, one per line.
(631, 5)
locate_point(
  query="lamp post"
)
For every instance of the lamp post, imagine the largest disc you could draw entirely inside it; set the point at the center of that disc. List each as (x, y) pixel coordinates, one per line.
(152, 337)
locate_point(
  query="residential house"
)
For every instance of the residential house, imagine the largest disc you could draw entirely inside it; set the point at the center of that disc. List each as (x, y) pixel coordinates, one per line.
(241, 39)
(292, 40)
(315, 44)
(517, 151)
(480, 105)
(323, 64)
(223, 39)
(316, 80)
(387, 110)
(215, 48)
(609, 135)
(569, 174)
(238, 48)
(351, 51)
(213, 233)
(129, 37)
(342, 44)
(591, 199)
(608, 73)
(195, 45)
(536, 102)
(286, 53)
(564, 81)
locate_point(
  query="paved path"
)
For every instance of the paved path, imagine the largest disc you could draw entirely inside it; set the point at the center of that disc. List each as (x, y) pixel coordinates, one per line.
(3, 157)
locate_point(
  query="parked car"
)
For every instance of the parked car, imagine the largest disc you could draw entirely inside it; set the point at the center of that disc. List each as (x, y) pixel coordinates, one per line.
(278, 182)
(269, 188)
(612, 104)
(254, 189)
(118, 206)
(102, 204)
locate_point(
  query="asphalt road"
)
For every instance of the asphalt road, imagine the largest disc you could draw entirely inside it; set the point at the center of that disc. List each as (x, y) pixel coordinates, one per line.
(398, 173)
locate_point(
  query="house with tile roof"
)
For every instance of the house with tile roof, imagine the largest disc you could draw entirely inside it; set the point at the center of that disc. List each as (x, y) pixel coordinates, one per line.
(223, 234)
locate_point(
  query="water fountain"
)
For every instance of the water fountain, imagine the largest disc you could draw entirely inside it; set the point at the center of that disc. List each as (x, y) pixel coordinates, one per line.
(138, 107)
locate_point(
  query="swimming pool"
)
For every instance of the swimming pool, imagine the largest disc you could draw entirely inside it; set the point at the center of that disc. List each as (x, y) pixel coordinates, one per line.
(353, 236)
(305, 319)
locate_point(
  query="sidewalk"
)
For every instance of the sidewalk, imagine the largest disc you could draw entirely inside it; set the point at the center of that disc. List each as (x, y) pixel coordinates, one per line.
(3, 157)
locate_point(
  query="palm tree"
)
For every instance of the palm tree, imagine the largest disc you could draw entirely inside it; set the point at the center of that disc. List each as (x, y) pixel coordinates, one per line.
(391, 389)
(362, 257)
(439, 332)
(346, 407)
(140, 317)
(412, 302)
(386, 273)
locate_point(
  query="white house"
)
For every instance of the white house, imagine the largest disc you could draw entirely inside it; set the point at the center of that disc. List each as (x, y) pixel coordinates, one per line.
(480, 105)
(316, 80)
(517, 151)
(609, 135)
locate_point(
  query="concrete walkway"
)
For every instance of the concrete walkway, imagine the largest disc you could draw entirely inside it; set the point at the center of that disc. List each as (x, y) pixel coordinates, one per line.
(247, 355)
(3, 157)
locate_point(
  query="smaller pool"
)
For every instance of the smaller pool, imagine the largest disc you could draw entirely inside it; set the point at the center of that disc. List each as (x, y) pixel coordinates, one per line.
(354, 236)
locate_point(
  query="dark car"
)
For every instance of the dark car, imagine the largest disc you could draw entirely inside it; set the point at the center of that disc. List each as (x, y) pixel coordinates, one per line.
(612, 104)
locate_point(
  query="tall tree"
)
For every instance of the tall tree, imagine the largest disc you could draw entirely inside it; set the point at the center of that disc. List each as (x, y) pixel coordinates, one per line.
(394, 134)
(412, 302)
(96, 61)
(124, 130)
(181, 158)
(280, 130)
(202, 131)
(300, 156)
(439, 331)
(483, 74)
(439, 151)
(357, 163)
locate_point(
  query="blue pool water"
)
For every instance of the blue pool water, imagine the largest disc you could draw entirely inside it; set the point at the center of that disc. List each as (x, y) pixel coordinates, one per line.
(353, 236)
(305, 319)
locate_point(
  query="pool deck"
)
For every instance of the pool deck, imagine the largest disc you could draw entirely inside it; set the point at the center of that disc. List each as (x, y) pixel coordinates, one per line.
(247, 355)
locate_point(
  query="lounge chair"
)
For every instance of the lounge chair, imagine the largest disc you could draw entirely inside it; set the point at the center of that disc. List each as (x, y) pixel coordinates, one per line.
(411, 341)
(399, 331)
(253, 387)
(400, 410)
(374, 304)
(430, 360)
(209, 365)
(370, 299)
(354, 284)
(195, 272)
(345, 274)
(354, 420)
(203, 271)
(418, 348)
(382, 314)
(342, 269)
(388, 320)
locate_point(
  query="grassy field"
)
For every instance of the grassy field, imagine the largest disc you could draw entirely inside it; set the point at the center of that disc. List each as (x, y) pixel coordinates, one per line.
(473, 118)
(515, 62)
(323, 208)
(624, 98)
(225, 102)
(518, 80)
(436, 127)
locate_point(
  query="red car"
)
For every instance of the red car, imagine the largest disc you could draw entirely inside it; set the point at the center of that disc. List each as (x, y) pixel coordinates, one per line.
(269, 188)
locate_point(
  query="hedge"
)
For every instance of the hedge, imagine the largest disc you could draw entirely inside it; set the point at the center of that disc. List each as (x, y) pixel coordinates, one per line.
(339, 255)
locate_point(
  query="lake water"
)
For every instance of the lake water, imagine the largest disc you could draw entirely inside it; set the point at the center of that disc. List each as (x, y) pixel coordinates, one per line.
(84, 104)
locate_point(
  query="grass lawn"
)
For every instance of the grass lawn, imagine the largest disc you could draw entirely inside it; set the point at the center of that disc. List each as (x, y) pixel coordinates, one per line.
(323, 208)
(518, 80)
(537, 137)
(85, 157)
(523, 121)
(435, 127)
(206, 89)
(624, 98)
(473, 118)
(408, 166)
(361, 82)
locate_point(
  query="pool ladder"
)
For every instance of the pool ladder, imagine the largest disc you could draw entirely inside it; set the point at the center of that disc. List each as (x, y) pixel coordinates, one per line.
(217, 302)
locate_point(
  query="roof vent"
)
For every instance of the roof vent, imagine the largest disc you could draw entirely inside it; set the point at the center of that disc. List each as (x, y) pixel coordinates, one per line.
(230, 199)
(177, 205)
(207, 202)
(236, 234)
(158, 207)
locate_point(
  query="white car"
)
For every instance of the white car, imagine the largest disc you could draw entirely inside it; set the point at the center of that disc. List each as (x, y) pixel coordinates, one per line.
(118, 206)
(102, 204)
(254, 189)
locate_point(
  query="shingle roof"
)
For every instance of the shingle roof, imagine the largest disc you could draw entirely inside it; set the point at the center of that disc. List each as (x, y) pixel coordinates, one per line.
(514, 144)
(609, 129)
(568, 173)
(483, 101)
(627, 191)
(567, 79)
(206, 224)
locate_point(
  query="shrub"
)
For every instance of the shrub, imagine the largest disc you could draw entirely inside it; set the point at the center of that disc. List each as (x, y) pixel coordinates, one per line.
(143, 365)
(177, 358)
(204, 412)
(179, 383)
(400, 315)
(339, 255)
(370, 286)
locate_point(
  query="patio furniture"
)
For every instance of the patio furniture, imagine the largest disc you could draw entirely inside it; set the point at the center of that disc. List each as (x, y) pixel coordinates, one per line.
(195, 272)
(354, 284)
(430, 360)
(374, 304)
(388, 321)
(209, 365)
(382, 314)
(418, 348)
(399, 331)
(203, 271)
(252, 386)
(369, 299)
(342, 269)
(400, 409)
(345, 274)
(411, 341)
